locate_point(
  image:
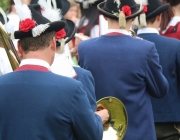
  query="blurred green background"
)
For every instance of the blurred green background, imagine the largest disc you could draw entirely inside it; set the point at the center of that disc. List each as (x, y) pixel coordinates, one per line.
(4, 4)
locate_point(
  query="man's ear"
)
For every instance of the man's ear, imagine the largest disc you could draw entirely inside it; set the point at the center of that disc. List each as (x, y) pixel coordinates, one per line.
(105, 17)
(159, 17)
(53, 44)
(133, 19)
(20, 50)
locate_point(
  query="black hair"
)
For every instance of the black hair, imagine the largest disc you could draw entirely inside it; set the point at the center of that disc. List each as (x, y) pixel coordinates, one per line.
(92, 15)
(11, 2)
(168, 14)
(151, 20)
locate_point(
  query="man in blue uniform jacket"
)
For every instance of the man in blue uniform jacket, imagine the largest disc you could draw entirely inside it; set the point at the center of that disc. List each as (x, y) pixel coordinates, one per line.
(166, 110)
(125, 67)
(37, 104)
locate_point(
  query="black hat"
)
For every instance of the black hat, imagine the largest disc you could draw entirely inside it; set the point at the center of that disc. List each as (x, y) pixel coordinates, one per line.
(87, 3)
(70, 27)
(35, 25)
(120, 10)
(155, 8)
(110, 7)
(54, 14)
(64, 5)
(70, 30)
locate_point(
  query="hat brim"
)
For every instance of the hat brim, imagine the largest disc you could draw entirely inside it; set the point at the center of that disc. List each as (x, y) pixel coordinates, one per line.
(53, 26)
(96, 2)
(71, 30)
(136, 12)
(158, 11)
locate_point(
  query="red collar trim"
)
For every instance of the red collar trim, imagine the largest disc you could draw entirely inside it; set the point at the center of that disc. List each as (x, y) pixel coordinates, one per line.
(115, 34)
(32, 67)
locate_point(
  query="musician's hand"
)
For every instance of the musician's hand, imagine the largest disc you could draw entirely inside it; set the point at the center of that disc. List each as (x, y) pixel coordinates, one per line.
(81, 36)
(73, 51)
(103, 114)
(78, 39)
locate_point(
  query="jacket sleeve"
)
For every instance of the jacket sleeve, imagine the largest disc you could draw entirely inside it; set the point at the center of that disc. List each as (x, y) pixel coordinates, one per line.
(178, 62)
(86, 124)
(157, 84)
(80, 55)
(87, 80)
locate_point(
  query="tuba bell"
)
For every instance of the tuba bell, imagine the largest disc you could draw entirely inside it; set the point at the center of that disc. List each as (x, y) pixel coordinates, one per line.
(115, 128)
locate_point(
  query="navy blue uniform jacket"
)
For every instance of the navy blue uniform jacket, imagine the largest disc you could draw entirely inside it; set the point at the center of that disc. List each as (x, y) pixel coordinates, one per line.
(126, 68)
(168, 108)
(37, 105)
(87, 80)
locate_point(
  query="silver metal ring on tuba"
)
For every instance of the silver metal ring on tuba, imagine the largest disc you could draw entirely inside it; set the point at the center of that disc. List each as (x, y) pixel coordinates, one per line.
(115, 127)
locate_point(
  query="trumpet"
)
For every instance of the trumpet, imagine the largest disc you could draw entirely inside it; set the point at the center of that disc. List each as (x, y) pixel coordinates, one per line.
(115, 128)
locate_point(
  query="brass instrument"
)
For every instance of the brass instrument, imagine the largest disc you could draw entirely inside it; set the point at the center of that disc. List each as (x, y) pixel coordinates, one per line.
(115, 127)
(133, 34)
(9, 48)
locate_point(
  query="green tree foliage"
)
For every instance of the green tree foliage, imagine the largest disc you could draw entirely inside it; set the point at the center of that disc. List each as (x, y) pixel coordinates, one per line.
(4, 4)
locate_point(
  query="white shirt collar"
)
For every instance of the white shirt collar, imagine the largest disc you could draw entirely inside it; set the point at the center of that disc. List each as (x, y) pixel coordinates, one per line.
(122, 31)
(147, 30)
(35, 62)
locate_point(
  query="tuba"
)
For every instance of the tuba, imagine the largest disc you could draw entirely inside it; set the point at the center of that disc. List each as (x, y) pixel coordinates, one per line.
(115, 128)
(9, 48)
(133, 34)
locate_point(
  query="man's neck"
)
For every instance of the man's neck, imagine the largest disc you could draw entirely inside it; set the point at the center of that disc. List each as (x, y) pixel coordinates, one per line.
(152, 26)
(115, 25)
(37, 55)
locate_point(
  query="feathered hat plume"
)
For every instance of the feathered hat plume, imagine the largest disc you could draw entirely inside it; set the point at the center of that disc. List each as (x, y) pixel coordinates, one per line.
(50, 13)
(25, 16)
(53, 14)
(22, 10)
(141, 23)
